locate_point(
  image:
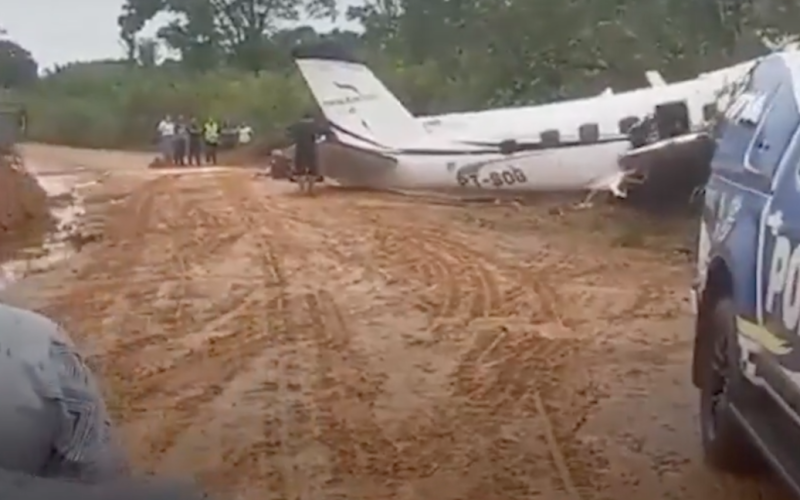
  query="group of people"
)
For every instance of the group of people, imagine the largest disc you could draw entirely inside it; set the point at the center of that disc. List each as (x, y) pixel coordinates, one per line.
(189, 142)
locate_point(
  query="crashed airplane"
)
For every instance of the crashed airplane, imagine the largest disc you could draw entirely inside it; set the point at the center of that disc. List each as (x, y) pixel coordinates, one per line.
(565, 146)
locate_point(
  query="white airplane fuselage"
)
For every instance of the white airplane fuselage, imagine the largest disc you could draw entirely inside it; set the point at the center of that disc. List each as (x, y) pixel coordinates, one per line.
(464, 150)
(606, 111)
(595, 167)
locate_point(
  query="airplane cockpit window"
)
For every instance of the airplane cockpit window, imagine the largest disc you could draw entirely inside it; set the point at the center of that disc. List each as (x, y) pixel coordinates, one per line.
(589, 133)
(626, 123)
(550, 138)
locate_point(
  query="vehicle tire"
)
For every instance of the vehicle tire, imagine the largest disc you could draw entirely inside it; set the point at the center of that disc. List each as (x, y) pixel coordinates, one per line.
(726, 446)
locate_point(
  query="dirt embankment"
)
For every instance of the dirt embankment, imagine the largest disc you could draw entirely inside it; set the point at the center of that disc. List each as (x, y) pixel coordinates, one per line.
(23, 201)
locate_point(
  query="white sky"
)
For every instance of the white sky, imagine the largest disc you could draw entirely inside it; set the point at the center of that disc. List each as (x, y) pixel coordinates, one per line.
(60, 31)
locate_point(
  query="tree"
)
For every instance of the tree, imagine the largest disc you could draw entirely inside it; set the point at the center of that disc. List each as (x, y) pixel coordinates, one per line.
(210, 32)
(147, 52)
(18, 69)
(437, 55)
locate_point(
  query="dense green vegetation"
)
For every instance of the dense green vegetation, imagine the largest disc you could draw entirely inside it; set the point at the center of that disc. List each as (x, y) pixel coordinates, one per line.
(230, 58)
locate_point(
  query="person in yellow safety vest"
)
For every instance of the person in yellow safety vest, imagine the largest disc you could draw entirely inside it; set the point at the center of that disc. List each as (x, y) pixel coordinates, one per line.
(211, 139)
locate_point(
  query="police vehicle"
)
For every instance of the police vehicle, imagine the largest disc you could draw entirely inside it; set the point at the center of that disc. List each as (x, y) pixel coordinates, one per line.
(747, 291)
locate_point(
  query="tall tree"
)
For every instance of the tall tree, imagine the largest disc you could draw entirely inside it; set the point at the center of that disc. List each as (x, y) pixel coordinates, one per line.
(18, 69)
(208, 32)
(147, 52)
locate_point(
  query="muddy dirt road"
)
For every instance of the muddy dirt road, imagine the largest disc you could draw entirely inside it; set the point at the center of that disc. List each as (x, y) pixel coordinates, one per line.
(373, 346)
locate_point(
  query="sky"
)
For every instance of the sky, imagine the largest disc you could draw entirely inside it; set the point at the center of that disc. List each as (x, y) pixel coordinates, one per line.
(61, 31)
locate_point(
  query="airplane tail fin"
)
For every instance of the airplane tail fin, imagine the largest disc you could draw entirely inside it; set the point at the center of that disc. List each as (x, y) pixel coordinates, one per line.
(360, 109)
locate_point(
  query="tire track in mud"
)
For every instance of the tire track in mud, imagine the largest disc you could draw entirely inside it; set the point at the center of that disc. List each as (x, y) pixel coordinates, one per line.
(118, 253)
(346, 390)
(321, 390)
(225, 357)
(191, 233)
(460, 286)
(459, 277)
(496, 289)
(408, 257)
(498, 380)
(498, 376)
(273, 459)
(457, 286)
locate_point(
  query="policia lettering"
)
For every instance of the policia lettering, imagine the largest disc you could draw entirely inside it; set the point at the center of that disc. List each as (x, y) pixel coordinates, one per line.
(497, 178)
(784, 283)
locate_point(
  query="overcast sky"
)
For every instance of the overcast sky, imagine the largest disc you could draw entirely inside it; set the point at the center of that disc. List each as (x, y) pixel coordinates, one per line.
(60, 31)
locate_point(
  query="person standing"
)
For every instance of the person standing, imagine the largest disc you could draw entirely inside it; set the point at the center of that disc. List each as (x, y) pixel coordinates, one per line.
(166, 139)
(304, 134)
(245, 134)
(211, 139)
(195, 133)
(180, 143)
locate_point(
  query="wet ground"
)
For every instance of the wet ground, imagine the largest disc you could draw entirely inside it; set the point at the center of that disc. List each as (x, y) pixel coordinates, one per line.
(375, 346)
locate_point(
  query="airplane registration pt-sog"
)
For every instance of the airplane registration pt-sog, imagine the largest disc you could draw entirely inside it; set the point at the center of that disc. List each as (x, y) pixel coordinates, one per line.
(565, 146)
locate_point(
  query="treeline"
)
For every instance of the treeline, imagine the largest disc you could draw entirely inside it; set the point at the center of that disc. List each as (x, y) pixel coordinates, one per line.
(230, 58)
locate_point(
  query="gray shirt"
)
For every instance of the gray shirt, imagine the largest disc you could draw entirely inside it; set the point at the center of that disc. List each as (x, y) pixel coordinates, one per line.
(53, 421)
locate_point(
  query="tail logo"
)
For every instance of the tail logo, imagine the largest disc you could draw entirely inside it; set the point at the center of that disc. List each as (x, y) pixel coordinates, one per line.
(355, 97)
(347, 86)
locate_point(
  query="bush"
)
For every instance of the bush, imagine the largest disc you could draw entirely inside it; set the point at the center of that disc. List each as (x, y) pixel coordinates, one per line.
(114, 105)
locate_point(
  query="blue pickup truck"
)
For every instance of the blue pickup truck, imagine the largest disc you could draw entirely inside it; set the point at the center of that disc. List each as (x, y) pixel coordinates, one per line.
(746, 361)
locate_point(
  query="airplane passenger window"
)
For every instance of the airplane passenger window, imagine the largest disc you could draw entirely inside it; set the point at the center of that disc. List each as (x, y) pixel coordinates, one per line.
(626, 123)
(589, 133)
(709, 111)
(550, 138)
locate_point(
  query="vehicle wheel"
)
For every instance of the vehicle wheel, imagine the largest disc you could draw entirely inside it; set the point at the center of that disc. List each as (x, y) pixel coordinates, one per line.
(725, 444)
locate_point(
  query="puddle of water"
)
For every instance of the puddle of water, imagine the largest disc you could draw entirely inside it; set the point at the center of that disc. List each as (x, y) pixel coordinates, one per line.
(68, 206)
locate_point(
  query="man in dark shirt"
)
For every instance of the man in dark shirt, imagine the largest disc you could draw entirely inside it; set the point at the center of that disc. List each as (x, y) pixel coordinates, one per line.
(181, 141)
(195, 142)
(304, 135)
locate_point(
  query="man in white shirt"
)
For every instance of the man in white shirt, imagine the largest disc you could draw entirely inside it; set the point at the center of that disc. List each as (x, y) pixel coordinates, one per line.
(245, 134)
(166, 138)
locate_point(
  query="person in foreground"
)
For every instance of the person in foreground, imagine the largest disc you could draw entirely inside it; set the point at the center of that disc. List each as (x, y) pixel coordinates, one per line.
(53, 421)
(20, 486)
(56, 439)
